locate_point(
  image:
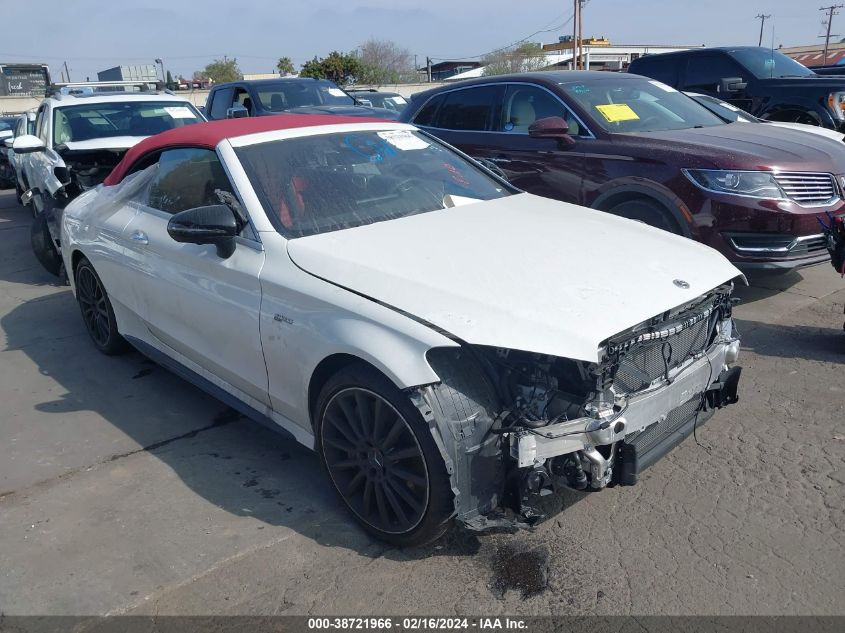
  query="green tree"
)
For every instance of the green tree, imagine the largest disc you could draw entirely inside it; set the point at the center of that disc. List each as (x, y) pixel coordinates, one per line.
(285, 66)
(524, 58)
(223, 70)
(341, 68)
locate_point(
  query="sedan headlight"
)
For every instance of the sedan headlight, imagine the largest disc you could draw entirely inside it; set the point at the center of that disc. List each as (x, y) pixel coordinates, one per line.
(754, 184)
(836, 103)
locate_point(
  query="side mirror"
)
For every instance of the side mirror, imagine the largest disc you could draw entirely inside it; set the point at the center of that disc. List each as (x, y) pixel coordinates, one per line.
(215, 224)
(9, 142)
(551, 127)
(729, 85)
(237, 111)
(27, 144)
(6, 134)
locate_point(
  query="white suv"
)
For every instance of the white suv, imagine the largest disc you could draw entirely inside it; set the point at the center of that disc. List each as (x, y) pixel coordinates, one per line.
(78, 139)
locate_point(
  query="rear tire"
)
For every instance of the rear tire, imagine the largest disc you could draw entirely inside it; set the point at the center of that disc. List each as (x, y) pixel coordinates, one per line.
(381, 458)
(647, 212)
(43, 246)
(97, 313)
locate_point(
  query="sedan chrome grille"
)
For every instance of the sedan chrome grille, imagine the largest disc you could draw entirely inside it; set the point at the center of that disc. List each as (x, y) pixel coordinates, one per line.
(807, 188)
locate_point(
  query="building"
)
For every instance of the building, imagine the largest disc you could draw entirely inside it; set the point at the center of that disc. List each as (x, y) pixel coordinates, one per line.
(813, 55)
(596, 54)
(442, 71)
(144, 72)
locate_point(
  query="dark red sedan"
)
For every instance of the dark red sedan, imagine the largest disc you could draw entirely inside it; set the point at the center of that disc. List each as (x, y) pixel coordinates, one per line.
(640, 149)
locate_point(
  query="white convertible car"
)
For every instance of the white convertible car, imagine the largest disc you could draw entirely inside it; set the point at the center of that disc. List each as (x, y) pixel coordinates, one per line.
(451, 347)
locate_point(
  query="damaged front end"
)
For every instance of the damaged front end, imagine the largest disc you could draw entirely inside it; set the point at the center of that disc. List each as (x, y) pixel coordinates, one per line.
(514, 426)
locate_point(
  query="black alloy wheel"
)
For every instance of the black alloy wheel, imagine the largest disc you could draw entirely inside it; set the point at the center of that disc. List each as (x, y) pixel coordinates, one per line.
(375, 460)
(97, 313)
(382, 458)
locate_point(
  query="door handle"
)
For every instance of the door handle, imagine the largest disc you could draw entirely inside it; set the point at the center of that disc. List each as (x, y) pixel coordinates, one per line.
(140, 237)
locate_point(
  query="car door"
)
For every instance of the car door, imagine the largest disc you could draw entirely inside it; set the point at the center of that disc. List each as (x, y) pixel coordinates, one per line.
(545, 167)
(704, 74)
(33, 164)
(464, 117)
(191, 300)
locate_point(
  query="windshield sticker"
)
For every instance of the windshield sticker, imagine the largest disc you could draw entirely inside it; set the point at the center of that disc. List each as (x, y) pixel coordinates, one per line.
(336, 92)
(397, 100)
(662, 86)
(617, 112)
(366, 146)
(403, 140)
(180, 112)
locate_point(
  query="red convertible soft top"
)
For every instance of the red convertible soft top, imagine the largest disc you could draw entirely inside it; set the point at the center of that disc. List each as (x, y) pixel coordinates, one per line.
(208, 135)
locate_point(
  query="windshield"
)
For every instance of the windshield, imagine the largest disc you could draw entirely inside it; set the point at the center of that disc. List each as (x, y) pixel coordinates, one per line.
(8, 123)
(626, 106)
(388, 101)
(765, 63)
(284, 94)
(720, 108)
(337, 181)
(103, 120)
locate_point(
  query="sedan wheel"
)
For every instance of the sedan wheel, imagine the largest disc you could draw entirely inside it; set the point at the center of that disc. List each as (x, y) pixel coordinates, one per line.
(382, 459)
(96, 309)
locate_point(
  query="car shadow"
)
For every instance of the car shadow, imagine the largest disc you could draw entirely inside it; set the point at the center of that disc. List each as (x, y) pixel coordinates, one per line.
(808, 342)
(16, 263)
(763, 285)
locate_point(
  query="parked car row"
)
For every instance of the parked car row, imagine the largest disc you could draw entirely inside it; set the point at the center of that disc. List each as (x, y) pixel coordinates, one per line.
(462, 312)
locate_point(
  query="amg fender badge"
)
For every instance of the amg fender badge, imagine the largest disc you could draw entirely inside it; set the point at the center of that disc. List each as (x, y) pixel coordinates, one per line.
(681, 283)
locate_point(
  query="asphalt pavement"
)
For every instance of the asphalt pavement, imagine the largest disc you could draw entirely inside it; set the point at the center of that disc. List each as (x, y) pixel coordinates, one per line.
(123, 489)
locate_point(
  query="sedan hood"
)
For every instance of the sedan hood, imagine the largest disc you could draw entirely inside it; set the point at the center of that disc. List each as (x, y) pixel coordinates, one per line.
(110, 142)
(744, 146)
(520, 272)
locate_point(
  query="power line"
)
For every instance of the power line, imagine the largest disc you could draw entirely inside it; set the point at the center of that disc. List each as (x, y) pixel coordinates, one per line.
(501, 48)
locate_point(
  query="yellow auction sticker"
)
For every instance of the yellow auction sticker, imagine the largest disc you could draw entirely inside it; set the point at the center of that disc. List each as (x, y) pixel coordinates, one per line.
(615, 112)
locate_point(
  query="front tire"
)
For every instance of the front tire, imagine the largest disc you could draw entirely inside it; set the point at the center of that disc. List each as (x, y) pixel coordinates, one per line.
(96, 309)
(42, 245)
(647, 212)
(381, 458)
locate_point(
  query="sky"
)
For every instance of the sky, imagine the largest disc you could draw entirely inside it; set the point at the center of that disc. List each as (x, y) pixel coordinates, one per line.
(93, 35)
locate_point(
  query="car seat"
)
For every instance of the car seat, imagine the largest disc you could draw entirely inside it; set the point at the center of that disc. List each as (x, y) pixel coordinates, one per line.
(292, 203)
(277, 102)
(522, 113)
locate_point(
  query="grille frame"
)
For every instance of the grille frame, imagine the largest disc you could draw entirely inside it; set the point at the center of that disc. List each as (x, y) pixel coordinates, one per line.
(640, 356)
(808, 189)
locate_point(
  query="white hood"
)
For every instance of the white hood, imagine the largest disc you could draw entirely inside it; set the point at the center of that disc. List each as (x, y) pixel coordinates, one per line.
(520, 272)
(109, 142)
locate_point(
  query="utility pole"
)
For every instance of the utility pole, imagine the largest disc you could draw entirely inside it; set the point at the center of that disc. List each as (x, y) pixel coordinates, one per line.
(580, 34)
(831, 12)
(762, 19)
(428, 68)
(576, 10)
(67, 73)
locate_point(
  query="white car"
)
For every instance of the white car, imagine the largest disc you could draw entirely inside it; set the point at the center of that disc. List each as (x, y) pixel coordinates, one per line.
(25, 125)
(731, 113)
(451, 347)
(77, 140)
